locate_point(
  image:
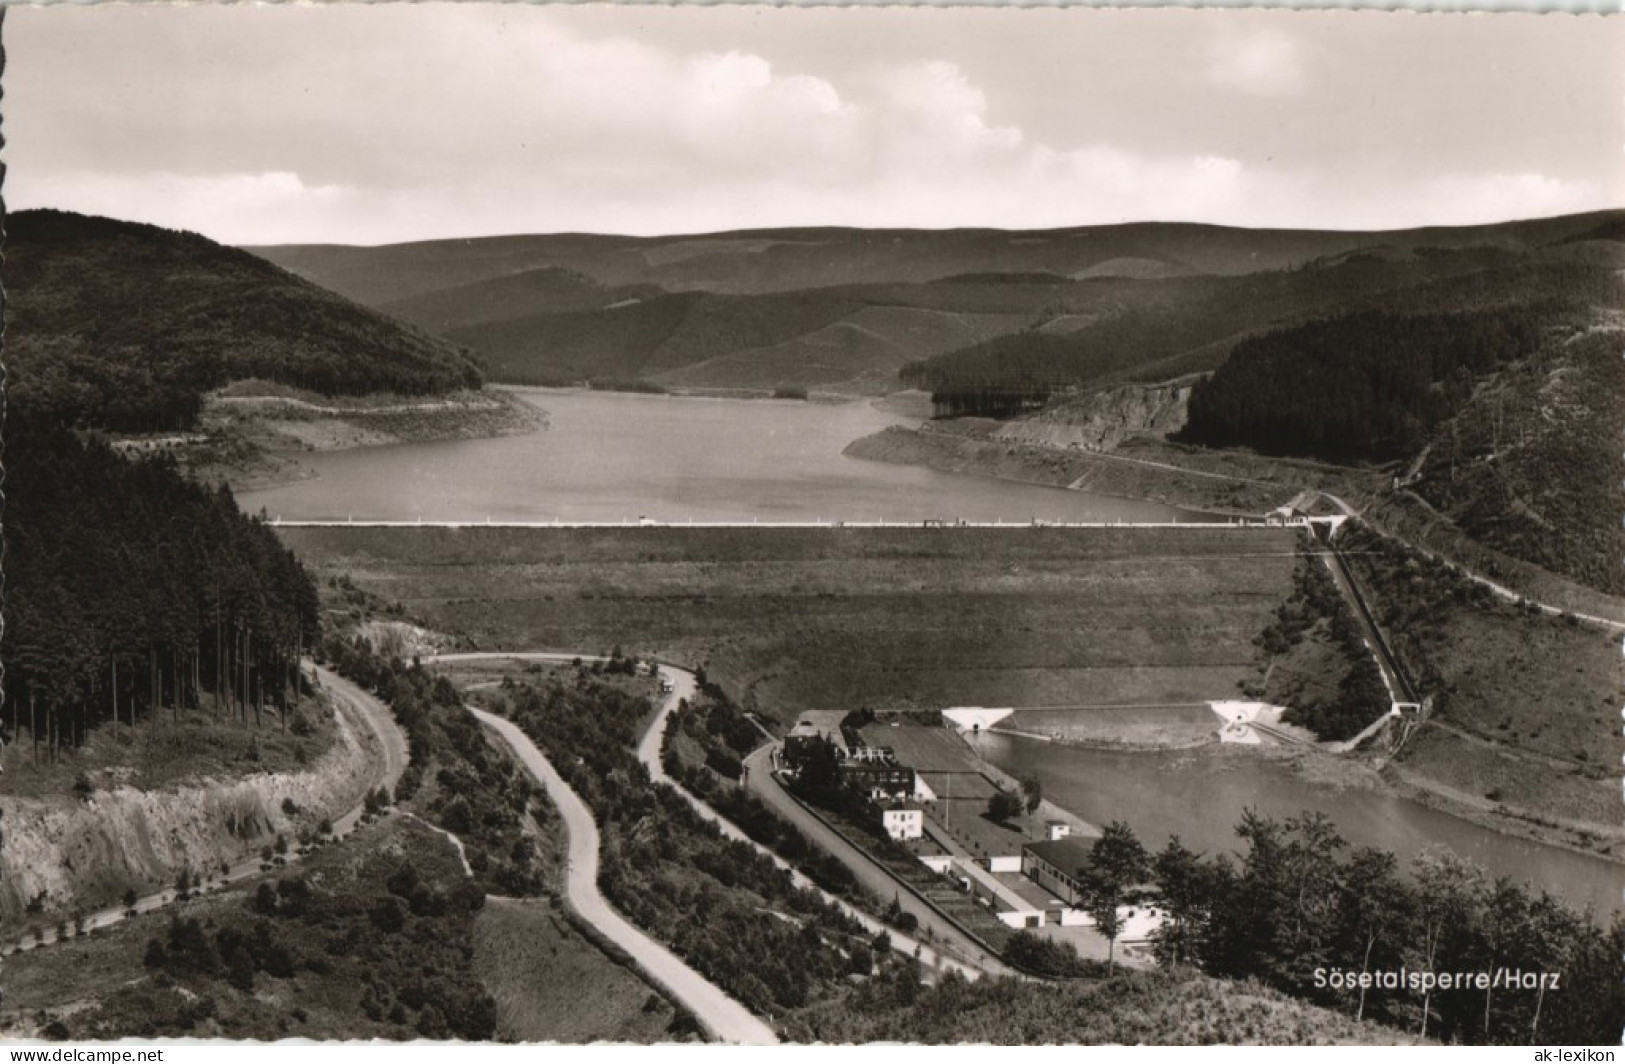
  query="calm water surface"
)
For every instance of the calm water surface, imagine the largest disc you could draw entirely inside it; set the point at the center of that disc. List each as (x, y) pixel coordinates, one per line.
(616, 457)
(1200, 795)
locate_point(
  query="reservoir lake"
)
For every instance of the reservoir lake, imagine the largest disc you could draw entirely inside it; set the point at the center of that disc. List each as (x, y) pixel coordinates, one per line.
(618, 457)
(613, 457)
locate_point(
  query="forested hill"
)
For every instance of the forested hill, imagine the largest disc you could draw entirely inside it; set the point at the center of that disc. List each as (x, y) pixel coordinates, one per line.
(124, 326)
(1361, 386)
(130, 589)
(1158, 330)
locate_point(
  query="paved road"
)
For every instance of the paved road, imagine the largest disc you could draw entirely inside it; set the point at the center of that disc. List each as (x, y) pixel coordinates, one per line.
(361, 719)
(724, 1017)
(649, 746)
(379, 723)
(1501, 591)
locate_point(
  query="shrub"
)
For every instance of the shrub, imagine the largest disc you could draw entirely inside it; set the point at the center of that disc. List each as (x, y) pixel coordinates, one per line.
(388, 916)
(265, 900)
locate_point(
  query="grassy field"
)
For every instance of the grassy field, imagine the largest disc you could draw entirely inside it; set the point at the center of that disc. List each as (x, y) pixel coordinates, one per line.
(794, 619)
(1134, 1008)
(551, 984)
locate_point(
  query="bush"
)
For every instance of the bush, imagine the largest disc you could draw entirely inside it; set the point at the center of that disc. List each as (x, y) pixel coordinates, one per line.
(1042, 956)
(1003, 806)
(388, 916)
(265, 900)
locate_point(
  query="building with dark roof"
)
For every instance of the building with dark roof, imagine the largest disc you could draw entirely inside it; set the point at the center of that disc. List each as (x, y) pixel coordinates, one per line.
(1053, 864)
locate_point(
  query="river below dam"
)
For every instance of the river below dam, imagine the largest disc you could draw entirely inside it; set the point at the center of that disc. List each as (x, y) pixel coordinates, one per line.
(1200, 794)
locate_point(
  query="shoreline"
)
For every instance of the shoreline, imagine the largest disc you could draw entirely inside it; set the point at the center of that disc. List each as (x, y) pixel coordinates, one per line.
(1354, 772)
(874, 448)
(269, 442)
(1521, 824)
(1109, 745)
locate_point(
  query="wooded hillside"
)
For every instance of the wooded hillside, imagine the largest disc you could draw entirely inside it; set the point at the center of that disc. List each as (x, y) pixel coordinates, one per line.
(125, 326)
(130, 589)
(1358, 386)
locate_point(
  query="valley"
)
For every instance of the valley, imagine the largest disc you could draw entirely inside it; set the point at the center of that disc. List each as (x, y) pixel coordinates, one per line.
(622, 449)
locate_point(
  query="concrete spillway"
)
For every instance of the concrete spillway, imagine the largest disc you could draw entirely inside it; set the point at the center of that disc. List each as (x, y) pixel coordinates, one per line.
(975, 718)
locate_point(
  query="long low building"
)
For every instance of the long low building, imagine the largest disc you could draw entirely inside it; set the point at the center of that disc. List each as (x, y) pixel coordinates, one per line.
(1054, 864)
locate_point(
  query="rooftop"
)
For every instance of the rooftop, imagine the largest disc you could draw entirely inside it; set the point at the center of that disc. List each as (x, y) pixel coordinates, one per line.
(1068, 854)
(819, 722)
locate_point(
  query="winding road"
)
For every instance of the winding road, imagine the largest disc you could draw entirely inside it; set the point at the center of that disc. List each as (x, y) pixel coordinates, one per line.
(356, 711)
(724, 1017)
(683, 687)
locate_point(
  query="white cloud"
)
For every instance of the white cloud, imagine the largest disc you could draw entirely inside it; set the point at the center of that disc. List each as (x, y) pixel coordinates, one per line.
(467, 120)
(245, 208)
(1261, 63)
(1468, 198)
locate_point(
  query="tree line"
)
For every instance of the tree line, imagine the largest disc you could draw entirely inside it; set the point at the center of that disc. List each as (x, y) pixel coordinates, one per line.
(130, 589)
(1364, 386)
(1299, 905)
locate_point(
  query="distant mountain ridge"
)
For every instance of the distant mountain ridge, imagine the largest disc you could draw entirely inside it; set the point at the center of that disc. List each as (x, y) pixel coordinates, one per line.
(847, 311)
(776, 260)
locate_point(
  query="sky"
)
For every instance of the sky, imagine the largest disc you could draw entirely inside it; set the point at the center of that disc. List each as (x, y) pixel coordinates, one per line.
(387, 123)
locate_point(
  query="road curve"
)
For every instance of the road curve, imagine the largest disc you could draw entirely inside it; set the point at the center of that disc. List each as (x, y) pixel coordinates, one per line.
(724, 1017)
(352, 706)
(683, 686)
(380, 721)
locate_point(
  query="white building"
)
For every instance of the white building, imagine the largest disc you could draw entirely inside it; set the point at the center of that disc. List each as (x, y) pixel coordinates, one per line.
(904, 823)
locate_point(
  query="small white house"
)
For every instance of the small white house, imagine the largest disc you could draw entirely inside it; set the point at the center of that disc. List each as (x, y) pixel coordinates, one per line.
(903, 823)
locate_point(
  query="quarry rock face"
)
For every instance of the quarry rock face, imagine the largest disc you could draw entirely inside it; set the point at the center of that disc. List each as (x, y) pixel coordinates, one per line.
(83, 854)
(1101, 421)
